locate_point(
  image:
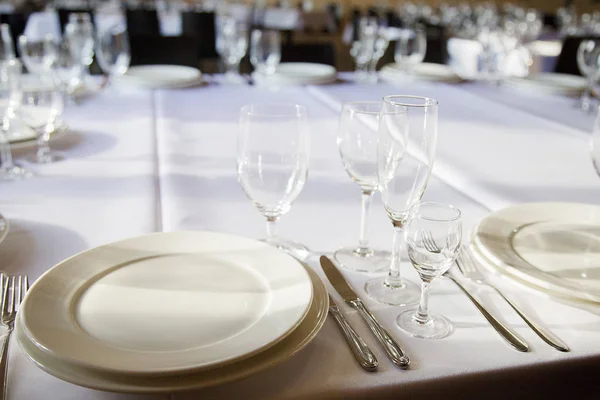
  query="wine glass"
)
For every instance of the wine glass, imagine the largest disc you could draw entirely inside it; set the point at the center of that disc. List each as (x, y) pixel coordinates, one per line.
(433, 236)
(79, 34)
(410, 48)
(405, 155)
(38, 56)
(41, 107)
(595, 142)
(588, 61)
(265, 51)
(357, 142)
(232, 45)
(272, 162)
(362, 50)
(112, 51)
(67, 70)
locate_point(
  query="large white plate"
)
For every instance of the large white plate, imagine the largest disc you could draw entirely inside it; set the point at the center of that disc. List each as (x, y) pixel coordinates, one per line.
(3, 228)
(549, 83)
(167, 303)
(297, 73)
(283, 350)
(553, 246)
(422, 71)
(162, 76)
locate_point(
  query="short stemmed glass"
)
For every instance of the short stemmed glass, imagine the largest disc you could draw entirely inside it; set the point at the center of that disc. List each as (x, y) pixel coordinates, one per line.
(405, 155)
(272, 162)
(357, 143)
(113, 52)
(410, 48)
(433, 237)
(265, 51)
(588, 61)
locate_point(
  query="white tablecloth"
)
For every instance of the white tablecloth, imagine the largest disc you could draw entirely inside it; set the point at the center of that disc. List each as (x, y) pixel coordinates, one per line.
(165, 160)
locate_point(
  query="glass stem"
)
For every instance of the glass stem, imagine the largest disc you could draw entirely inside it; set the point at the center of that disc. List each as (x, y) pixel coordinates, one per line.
(43, 151)
(363, 238)
(6, 160)
(271, 229)
(231, 68)
(422, 314)
(586, 95)
(393, 279)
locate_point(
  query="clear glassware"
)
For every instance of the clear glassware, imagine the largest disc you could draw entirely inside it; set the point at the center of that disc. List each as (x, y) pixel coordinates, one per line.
(232, 45)
(595, 142)
(433, 237)
(363, 49)
(357, 142)
(7, 49)
(405, 155)
(588, 61)
(79, 34)
(272, 162)
(68, 71)
(38, 56)
(265, 51)
(380, 46)
(410, 48)
(41, 108)
(113, 52)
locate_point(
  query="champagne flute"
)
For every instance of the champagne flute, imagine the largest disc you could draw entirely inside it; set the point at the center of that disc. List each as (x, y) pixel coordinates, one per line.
(272, 162)
(112, 50)
(433, 237)
(357, 142)
(406, 151)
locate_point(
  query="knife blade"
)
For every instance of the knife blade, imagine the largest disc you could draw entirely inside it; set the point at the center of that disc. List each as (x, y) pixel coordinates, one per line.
(390, 346)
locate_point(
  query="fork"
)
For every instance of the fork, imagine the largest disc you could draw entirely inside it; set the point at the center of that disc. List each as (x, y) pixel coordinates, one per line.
(507, 333)
(17, 286)
(470, 270)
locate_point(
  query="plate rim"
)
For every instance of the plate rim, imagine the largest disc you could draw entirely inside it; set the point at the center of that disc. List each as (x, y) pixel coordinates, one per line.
(144, 83)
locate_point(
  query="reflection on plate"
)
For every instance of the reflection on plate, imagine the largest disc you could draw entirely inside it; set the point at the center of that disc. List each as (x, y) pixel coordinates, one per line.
(297, 73)
(422, 71)
(554, 246)
(162, 76)
(548, 83)
(3, 228)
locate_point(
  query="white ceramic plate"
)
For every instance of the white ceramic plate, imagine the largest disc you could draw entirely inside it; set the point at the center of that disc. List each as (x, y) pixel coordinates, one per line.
(24, 141)
(293, 73)
(162, 76)
(283, 350)
(554, 246)
(3, 228)
(167, 303)
(549, 83)
(422, 71)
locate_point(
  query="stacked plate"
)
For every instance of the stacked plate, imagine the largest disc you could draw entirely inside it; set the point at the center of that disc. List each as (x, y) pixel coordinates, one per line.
(162, 77)
(553, 247)
(296, 73)
(548, 83)
(170, 311)
(422, 71)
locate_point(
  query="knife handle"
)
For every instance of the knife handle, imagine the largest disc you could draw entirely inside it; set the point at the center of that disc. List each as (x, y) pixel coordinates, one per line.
(391, 347)
(361, 351)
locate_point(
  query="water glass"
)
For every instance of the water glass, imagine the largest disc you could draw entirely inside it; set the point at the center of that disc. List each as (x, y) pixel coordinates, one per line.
(272, 162)
(357, 142)
(405, 155)
(433, 237)
(113, 51)
(232, 45)
(38, 56)
(265, 51)
(410, 48)
(588, 61)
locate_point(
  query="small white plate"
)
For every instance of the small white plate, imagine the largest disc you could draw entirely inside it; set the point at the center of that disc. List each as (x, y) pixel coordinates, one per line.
(162, 76)
(292, 344)
(553, 246)
(3, 228)
(422, 71)
(167, 303)
(18, 143)
(548, 83)
(294, 73)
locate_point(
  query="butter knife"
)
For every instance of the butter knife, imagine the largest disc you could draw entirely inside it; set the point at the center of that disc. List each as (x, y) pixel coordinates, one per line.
(391, 347)
(361, 351)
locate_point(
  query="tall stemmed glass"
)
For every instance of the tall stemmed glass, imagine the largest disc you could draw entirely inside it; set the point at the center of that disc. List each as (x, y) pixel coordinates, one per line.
(232, 45)
(272, 162)
(406, 151)
(588, 60)
(79, 34)
(433, 237)
(112, 51)
(410, 48)
(67, 70)
(265, 51)
(357, 142)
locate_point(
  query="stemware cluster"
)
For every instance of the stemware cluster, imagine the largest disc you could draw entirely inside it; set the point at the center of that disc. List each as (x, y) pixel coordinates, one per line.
(387, 146)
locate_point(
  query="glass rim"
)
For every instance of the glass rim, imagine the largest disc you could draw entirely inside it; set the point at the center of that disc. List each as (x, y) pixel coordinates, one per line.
(299, 110)
(346, 106)
(414, 211)
(428, 101)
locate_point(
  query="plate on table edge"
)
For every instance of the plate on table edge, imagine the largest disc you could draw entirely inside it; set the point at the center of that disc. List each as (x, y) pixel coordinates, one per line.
(89, 270)
(189, 76)
(312, 74)
(514, 269)
(26, 143)
(430, 72)
(4, 227)
(288, 347)
(548, 83)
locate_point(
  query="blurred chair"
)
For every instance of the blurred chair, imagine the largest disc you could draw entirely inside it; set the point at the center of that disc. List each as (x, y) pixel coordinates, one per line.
(17, 22)
(169, 50)
(437, 44)
(322, 53)
(63, 15)
(142, 22)
(567, 59)
(202, 26)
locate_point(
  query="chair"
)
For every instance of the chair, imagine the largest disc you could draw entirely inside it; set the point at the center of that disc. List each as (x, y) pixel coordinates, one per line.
(142, 22)
(567, 59)
(17, 22)
(63, 15)
(202, 26)
(171, 50)
(322, 53)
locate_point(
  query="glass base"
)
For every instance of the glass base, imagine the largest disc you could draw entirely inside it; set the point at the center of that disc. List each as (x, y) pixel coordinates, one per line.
(357, 259)
(296, 250)
(46, 159)
(438, 327)
(14, 173)
(402, 294)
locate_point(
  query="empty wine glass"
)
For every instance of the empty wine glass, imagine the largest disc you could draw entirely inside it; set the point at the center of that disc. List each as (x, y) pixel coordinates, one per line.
(232, 45)
(433, 237)
(265, 51)
(67, 69)
(357, 142)
(405, 155)
(272, 162)
(410, 48)
(112, 51)
(588, 61)
(79, 34)
(362, 50)
(38, 56)
(41, 107)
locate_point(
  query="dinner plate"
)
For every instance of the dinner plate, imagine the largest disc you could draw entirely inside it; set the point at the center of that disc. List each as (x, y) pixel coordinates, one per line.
(553, 246)
(422, 71)
(3, 228)
(298, 73)
(162, 76)
(548, 83)
(167, 303)
(292, 344)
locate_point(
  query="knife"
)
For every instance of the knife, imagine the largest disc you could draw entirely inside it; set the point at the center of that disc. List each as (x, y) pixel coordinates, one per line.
(361, 351)
(391, 347)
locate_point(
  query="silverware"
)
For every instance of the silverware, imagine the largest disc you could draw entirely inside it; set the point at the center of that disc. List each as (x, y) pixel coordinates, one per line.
(391, 347)
(13, 293)
(513, 338)
(361, 351)
(471, 271)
